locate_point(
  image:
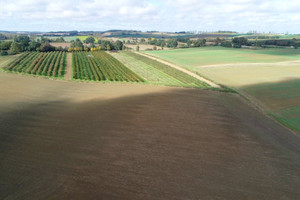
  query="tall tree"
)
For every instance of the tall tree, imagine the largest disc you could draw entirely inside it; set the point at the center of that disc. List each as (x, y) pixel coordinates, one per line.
(118, 45)
(89, 40)
(15, 48)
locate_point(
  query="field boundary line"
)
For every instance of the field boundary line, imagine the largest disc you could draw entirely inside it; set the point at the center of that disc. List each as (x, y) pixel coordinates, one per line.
(264, 109)
(181, 69)
(294, 62)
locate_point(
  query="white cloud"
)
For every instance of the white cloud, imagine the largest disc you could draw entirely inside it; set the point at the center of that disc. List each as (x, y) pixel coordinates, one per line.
(170, 15)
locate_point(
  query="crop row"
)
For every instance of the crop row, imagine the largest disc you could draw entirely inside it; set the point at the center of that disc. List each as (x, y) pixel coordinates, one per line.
(149, 73)
(100, 66)
(46, 64)
(183, 78)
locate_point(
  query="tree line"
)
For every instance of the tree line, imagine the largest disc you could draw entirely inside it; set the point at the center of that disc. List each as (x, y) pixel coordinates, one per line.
(91, 45)
(238, 42)
(23, 43)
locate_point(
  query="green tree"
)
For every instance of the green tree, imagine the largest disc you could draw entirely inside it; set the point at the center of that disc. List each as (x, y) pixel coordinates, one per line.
(23, 41)
(107, 45)
(5, 45)
(3, 53)
(77, 44)
(118, 45)
(15, 48)
(199, 43)
(226, 44)
(60, 39)
(239, 41)
(89, 40)
(172, 43)
(33, 45)
(46, 47)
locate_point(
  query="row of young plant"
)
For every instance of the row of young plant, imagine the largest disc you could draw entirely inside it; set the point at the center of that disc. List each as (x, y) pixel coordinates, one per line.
(100, 66)
(185, 79)
(45, 64)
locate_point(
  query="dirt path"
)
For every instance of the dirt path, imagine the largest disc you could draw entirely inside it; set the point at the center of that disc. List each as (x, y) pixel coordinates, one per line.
(68, 75)
(182, 69)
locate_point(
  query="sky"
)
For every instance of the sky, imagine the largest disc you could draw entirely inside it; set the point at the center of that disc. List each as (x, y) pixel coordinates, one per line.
(278, 16)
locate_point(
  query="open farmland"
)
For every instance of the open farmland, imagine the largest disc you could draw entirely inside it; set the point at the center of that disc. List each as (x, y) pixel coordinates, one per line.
(101, 66)
(192, 58)
(157, 72)
(275, 87)
(273, 83)
(68, 140)
(46, 64)
(148, 72)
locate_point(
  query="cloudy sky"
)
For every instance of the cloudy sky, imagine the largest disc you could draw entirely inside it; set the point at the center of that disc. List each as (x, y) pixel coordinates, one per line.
(168, 15)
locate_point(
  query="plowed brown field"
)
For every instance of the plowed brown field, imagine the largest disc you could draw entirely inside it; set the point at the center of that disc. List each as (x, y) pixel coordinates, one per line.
(68, 140)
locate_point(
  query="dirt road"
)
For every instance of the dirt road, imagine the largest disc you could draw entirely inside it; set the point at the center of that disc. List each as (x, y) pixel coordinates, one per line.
(68, 75)
(181, 69)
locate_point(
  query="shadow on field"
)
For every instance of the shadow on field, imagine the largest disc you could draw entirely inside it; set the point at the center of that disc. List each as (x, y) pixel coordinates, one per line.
(277, 95)
(282, 100)
(183, 144)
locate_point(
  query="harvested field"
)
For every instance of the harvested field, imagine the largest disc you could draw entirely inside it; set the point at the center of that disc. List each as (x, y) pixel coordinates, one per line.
(143, 46)
(269, 77)
(69, 140)
(61, 44)
(275, 87)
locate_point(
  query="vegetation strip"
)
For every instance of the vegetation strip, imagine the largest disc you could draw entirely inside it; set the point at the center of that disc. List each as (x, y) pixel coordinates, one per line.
(181, 69)
(45, 64)
(100, 66)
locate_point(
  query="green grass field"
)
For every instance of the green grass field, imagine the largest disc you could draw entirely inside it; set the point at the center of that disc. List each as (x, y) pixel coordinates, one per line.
(269, 77)
(194, 57)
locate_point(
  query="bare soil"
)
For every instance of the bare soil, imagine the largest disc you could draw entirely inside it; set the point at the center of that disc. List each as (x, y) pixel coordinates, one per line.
(61, 44)
(66, 140)
(68, 75)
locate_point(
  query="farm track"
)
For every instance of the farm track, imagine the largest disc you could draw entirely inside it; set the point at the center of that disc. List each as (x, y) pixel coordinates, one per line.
(68, 75)
(67, 140)
(181, 69)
